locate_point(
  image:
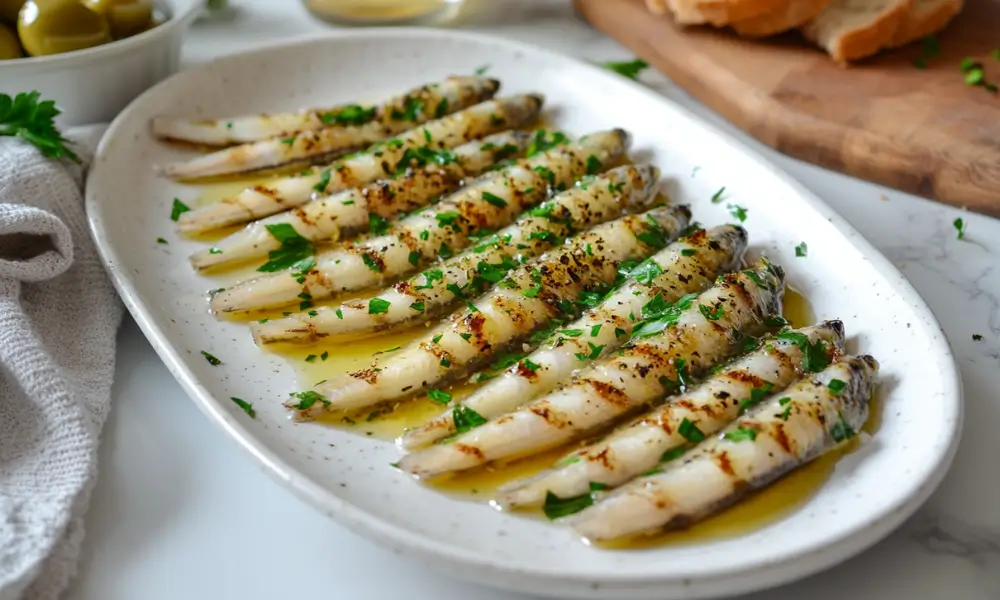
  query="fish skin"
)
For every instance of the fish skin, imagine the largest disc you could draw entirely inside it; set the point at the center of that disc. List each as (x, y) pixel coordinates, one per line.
(578, 208)
(438, 231)
(720, 471)
(253, 128)
(643, 372)
(639, 446)
(523, 302)
(345, 214)
(712, 252)
(324, 144)
(377, 162)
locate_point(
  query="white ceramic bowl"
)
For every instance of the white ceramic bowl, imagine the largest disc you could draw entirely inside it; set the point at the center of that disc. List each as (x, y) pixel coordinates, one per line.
(95, 84)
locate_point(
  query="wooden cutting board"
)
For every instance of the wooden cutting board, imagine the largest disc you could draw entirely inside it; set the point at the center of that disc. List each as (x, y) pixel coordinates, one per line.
(918, 130)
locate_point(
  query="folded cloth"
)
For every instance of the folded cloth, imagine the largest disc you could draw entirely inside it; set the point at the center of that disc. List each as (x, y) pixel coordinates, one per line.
(58, 319)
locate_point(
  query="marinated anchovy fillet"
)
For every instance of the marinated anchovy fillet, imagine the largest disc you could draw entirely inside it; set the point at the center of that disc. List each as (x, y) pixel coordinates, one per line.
(523, 302)
(489, 203)
(319, 145)
(689, 265)
(810, 418)
(379, 161)
(433, 292)
(674, 343)
(666, 432)
(253, 128)
(365, 208)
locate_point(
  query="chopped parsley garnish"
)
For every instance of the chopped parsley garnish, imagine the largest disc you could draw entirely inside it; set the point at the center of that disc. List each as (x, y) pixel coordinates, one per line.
(471, 307)
(351, 114)
(690, 431)
(801, 250)
(958, 224)
(654, 235)
(311, 358)
(527, 364)
(542, 142)
(717, 196)
(786, 402)
(441, 109)
(437, 338)
(620, 333)
(417, 306)
(931, 49)
(246, 406)
(647, 271)
(573, 333)
(340, 314)
(377, 225)
(494, 273)
(595, 351)
(295, 252)
(740, 434)
(439, 396)
(423, 155)
(160, 240)
(444, 251)
(673, 454)
(630, 69)
(738, 212)
(841, 430)
(445, 362)
(660, 314)
(288, 141)
(544, 235)
(377, 306)
(709, 313)
(211, 359)
(757, 395)
(688, 252)
(482, 70)
(411, 110)
(324, 356)
(414, 257)
(594, 165)
(178, 209)
(430, 276)
(814, 357)
(546, 174)
(556, 507)
(836, 386)
(466, 419)
(371, 263)
(494, 200)
(977, 337)
(775, 321)
(308, 398)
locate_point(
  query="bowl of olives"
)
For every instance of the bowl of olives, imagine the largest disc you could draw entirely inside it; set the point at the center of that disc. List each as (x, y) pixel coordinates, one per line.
(92, 57)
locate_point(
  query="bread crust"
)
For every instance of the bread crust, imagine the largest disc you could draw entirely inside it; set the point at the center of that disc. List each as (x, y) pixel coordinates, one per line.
(657, 7)
(719, 12)
(922, 23)
(862, 41)
(782, 18)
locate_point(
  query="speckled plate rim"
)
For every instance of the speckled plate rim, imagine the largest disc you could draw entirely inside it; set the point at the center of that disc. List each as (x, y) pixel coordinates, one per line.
(776, 569)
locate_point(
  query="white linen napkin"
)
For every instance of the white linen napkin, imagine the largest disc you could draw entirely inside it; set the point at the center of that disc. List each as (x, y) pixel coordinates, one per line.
(58, 318)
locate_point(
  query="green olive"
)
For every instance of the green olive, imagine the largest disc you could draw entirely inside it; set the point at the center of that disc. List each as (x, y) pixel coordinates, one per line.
(126, 17)
(9, 46)
(56, 26)
(8, 11)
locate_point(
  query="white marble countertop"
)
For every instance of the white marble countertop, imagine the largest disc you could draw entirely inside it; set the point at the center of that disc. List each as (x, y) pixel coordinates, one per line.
(180, 512)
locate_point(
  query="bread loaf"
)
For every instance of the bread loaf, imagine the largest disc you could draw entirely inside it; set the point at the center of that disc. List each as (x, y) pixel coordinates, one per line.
(790, 15)
(853, 29)
(926, 17)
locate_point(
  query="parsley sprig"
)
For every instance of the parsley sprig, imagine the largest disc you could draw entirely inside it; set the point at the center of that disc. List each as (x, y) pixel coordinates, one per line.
(33, 120)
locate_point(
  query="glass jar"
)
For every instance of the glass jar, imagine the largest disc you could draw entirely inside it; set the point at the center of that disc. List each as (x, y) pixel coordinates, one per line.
(385, 12)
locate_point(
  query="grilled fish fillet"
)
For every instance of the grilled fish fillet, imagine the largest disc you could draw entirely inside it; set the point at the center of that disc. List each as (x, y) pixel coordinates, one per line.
(675, 343)
(313, 146)
(434, 291)
(667, 431)
(379, 161)
(791, 428)
(489, 203)
(688, 265)
(523, 302)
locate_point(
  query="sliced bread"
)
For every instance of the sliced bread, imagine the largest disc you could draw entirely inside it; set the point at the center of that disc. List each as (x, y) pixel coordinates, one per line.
(926, 17)
(657, 7)
(719, 12)
(782, 18)
(853, 29)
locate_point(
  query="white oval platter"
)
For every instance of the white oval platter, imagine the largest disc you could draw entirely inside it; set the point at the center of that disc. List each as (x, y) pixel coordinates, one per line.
(348, 477)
